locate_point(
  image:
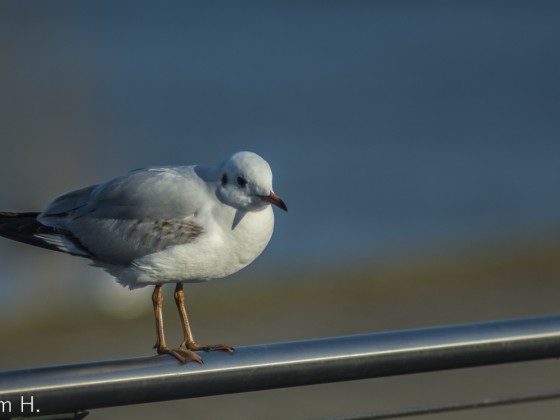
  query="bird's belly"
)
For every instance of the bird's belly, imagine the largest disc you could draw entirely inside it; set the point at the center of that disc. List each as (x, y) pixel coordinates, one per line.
(215, 255)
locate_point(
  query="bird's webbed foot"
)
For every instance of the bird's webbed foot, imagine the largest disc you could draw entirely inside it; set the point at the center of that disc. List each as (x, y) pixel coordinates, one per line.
(182, 354)
(192, 346)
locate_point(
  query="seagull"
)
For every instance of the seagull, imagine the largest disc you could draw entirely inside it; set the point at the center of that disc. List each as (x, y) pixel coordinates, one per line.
(159, 225)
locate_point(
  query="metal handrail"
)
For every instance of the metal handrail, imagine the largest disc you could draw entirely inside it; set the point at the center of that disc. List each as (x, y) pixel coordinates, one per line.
(73, 388)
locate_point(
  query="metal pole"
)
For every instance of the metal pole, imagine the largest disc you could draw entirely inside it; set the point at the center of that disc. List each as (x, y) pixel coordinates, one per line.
(63, 389)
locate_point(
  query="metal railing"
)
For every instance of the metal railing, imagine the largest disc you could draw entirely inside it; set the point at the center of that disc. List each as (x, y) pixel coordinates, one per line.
(74, 388)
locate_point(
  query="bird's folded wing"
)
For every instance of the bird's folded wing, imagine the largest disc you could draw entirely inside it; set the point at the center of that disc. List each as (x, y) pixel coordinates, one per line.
(147, 194)
(132, 216)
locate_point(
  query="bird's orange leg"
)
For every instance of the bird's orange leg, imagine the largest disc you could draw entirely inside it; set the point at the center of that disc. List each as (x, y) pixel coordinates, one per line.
(189, 343)
(183, 354)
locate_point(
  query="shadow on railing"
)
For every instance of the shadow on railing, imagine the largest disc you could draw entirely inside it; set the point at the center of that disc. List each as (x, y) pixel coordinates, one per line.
(76, 388)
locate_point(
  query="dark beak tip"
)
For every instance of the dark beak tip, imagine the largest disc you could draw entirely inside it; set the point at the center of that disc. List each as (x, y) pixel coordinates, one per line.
(283, 206)
(275, 200)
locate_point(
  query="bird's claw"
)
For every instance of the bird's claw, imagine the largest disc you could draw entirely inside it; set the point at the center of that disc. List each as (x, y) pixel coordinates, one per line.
(182, 354)
(212, 347)
(186, 352)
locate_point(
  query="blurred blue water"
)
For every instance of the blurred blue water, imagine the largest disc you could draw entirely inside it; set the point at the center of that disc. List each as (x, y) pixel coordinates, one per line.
(389, 124)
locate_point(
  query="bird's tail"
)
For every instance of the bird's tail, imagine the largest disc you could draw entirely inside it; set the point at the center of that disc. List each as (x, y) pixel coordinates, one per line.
(24, 227)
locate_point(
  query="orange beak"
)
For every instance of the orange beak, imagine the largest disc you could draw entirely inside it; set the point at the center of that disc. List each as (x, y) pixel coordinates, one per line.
(275, 200)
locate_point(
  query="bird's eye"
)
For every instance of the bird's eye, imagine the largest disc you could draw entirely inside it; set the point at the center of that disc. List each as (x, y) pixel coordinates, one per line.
(242, 182)
(224, 179)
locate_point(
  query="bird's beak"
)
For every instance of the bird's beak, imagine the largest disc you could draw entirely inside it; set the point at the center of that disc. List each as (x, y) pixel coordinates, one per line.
(274, 199)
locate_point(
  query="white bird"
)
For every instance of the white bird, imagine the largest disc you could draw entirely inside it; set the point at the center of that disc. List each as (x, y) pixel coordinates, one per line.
(153, 226)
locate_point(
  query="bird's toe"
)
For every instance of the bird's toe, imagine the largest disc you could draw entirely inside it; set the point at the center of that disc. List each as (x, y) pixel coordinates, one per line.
(182, 354)
(212, 347)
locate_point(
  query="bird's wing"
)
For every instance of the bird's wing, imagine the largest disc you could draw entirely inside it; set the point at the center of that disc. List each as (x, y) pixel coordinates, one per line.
(145, 194)
(132, 216)
(24, 227)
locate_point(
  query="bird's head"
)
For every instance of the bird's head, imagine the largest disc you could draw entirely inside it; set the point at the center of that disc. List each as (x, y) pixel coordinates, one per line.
(246, 183)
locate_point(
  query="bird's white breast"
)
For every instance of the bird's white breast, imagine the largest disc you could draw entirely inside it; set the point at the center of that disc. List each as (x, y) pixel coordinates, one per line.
(222, 249)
